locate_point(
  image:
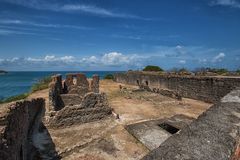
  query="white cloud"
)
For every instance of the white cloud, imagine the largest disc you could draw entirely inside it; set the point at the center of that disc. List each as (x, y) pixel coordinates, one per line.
(112, 59)
(60, 7)
(219, 57)
(126, 37)
(182, 61)
(95, 10)
(48, 25)
(50, 58)
(9, 32)
(229, 3)
(195, 57)
(203, 61)
(115, 58)
(177, 51)
(67, 58)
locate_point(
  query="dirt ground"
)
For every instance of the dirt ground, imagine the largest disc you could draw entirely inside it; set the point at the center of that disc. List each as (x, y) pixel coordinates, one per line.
(108, 139)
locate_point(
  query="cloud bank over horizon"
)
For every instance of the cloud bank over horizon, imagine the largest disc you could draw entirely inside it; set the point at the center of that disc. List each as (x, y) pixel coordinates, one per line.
(167, 58)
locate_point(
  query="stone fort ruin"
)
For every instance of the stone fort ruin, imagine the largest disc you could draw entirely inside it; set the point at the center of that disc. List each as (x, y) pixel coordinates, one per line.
(76, 100)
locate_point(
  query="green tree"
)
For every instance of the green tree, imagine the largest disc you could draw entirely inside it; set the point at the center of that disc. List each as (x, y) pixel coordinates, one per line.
(153, 68)
(220, 71)
(108, 76)
(238, 71)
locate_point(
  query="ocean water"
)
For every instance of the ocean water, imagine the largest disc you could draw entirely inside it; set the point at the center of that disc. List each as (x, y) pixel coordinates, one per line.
(14, 83)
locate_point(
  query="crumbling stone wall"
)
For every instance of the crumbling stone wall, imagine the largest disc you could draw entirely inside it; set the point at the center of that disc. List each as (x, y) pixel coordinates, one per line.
(82, 101)
(71, 91)
(94, 106)
(16, 129)
(208, 89)
(55, 89)
(213, 136)
(95, 84)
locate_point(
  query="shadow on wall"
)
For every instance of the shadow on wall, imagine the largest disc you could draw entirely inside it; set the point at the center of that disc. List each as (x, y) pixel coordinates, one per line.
(23, 135)
(45, 147)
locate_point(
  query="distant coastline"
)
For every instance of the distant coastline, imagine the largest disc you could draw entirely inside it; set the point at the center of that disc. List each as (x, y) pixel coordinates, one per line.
(3, 72)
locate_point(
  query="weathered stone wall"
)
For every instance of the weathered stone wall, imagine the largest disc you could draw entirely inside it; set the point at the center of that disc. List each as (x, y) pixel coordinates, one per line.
(55, 89)
(209, 89)
(81, 101)
(16, 129)
(71, 91)
(215, 135)
(95, 84)
(94, 106)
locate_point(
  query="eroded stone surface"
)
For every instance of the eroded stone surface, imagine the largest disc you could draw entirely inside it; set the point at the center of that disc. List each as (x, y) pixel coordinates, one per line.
(70, 92)
(95, 84)
(80, 103)
(214, 135)
(94, 106)
(151, 134)
(208, 89)
(21, 132)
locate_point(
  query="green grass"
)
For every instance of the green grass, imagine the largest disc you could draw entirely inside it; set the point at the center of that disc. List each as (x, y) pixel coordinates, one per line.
(15, 98)
(40, 85)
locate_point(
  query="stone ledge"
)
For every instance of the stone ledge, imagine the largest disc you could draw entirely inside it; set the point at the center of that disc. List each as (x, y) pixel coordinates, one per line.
(214, 135)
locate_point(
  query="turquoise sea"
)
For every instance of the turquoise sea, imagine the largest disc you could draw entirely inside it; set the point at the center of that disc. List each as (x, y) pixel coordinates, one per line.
(14, 83)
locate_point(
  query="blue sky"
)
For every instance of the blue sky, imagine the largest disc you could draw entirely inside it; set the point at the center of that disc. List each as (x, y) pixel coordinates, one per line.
(118, 34)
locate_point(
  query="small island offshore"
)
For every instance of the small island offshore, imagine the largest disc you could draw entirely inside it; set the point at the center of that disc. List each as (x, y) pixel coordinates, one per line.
(3, 72)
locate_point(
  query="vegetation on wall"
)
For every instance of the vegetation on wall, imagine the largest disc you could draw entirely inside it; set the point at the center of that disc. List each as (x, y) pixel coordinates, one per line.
(220, 71)
(108, 76)
(153, 68)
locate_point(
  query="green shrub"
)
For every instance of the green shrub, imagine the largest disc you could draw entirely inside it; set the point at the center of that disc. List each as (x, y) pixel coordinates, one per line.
(108, 76)
(183, 70)
(15, 98)
(41, 84)
(238, 71)
(218, 71)
(153, 68)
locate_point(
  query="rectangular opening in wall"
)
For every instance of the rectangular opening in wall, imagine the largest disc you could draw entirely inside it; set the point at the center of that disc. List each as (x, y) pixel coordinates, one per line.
(169, 128)
(138, 83)
(146, 83)
(74, 80)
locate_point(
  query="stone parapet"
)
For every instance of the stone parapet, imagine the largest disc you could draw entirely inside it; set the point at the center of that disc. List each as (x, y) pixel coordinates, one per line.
(208, 89)
(213, 136)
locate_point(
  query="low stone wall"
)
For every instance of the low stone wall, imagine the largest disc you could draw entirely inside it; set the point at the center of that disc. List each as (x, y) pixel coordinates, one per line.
(17, 124)
(213, 136)
(94, 106)
(208, 89)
